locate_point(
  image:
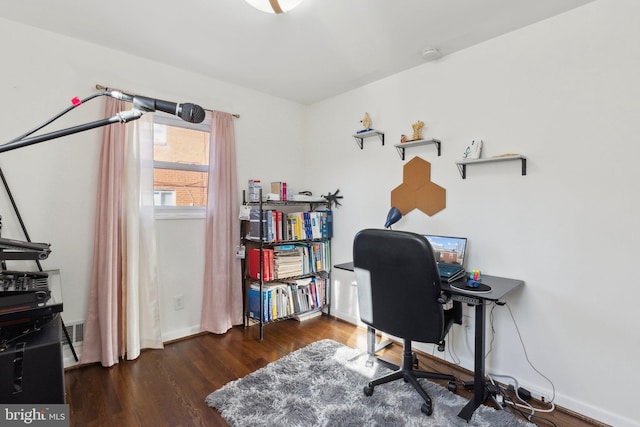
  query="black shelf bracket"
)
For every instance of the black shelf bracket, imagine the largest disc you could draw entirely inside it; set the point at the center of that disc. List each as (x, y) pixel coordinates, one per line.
(360, 137)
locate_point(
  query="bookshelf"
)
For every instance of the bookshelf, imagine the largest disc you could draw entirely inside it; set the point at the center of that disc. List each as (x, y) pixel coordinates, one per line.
(287, 260)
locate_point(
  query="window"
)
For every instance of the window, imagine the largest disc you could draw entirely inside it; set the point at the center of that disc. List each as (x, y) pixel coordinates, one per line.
(180, 165)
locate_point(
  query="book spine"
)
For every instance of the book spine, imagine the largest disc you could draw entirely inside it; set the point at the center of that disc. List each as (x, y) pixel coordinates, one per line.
(254, 263)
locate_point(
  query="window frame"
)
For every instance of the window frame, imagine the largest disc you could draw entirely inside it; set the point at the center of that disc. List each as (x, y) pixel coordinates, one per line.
(180, 212)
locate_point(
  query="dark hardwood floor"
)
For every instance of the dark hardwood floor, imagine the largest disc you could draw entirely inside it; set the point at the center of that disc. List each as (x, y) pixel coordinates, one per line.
(168, 387)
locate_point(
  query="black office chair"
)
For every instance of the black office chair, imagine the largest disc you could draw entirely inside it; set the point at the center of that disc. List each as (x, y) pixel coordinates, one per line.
(399, 293)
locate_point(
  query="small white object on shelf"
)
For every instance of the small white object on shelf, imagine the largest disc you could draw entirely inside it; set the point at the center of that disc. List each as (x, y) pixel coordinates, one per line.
(473, 151)
(306, 198)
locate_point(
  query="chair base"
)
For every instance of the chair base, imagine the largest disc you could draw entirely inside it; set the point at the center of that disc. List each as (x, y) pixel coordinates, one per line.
(410, 375)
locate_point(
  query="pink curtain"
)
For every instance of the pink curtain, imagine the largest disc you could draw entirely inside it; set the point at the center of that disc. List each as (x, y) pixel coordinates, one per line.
(103, 329)
(222, 293)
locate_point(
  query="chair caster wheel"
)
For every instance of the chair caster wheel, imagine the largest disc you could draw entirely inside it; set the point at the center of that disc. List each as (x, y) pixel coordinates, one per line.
(426, 409)
(368, 391)
(452, 386)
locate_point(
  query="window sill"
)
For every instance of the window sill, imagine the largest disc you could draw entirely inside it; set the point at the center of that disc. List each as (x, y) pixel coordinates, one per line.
(176, 212)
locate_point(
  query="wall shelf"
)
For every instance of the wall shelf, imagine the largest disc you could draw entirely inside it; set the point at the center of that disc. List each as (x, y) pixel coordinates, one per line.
(402, 147)
(462, 164)
(360, 137)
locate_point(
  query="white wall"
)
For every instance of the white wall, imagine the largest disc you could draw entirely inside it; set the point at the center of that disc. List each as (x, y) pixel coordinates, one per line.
(565, 93)
(54, 183)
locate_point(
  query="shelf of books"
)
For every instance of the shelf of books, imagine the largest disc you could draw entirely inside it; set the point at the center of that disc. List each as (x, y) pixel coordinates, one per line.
(287, 261)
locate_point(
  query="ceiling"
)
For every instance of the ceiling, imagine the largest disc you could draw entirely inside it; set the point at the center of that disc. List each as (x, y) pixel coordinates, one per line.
(318, 50)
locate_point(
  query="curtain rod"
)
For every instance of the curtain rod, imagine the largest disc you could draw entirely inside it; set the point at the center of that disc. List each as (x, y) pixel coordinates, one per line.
(100, 87)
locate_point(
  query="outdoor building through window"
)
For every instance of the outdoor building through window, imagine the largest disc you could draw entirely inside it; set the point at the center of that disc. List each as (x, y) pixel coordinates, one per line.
(181, 162)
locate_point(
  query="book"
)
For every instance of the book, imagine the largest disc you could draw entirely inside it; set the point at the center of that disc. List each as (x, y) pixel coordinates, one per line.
(255, 300)
(267, 264)
(254, 223)
(279, 188)
(308, 315)
(254, 263)
(327, 224)
(316, 221)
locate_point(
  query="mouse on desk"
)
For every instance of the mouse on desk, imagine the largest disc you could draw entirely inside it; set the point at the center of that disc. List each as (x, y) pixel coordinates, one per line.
(474, 279)
(473, 283)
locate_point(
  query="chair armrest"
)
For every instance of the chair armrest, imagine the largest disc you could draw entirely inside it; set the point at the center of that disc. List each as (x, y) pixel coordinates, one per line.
(444, 298)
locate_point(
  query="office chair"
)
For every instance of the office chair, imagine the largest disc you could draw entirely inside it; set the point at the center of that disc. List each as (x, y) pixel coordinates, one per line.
(399, 293)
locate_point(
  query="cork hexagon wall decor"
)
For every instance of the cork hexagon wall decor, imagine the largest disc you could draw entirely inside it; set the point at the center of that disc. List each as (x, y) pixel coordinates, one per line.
(417, 191)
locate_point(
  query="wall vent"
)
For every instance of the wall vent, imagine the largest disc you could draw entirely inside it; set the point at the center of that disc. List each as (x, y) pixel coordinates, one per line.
(75, 330)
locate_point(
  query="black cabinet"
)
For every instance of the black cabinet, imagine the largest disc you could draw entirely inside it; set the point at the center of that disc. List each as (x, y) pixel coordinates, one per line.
(31, 367)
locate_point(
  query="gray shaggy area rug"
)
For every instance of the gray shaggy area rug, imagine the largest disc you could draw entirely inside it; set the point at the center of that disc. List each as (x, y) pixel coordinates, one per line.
(321, 385)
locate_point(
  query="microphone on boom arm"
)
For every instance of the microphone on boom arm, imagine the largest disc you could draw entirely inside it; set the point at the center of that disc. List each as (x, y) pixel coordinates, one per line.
(188, 112)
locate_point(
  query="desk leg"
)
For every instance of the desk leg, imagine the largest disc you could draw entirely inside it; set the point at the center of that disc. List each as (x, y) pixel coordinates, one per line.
(479, 388)
(372, 349)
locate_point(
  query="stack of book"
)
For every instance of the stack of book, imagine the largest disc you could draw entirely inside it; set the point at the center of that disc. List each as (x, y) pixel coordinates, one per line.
(319, 257)
(288, 261)
(278, 226)
(285, 299)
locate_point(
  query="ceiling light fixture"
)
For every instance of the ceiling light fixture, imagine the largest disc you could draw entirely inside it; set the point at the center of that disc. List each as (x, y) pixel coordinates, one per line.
(274, 6)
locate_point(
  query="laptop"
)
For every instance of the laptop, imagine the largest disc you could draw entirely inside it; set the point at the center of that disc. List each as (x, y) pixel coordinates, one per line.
(450, 253)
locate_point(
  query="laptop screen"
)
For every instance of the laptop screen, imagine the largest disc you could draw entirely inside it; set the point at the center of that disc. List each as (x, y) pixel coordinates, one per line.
(448, 250)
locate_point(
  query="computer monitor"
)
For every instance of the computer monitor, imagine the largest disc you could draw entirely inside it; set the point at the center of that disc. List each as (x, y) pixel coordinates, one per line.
(447, 249)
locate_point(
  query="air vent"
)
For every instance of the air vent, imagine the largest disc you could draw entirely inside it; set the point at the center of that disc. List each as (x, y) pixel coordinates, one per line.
(75, 330)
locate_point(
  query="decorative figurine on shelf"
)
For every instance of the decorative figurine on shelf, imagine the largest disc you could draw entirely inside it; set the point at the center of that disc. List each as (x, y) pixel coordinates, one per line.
(473, 151)
(366, 122)
(333, 198)
(403, 139)
(417, 127)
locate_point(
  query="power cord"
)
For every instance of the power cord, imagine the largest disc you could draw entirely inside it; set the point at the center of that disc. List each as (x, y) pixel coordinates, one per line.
(451, 350)
(526, 410)
(526, 355)
(493, 331)
(523, 403)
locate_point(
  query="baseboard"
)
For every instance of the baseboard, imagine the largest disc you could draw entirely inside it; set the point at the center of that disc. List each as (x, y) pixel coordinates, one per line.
(346, 317)
(168, 337)
(177, 334)
(67, 356)
(593, 415)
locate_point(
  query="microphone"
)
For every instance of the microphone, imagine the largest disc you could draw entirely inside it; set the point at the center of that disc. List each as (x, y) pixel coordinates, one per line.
(188, 112)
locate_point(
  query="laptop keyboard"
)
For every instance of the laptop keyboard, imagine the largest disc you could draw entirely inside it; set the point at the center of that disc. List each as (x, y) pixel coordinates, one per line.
(448, 270)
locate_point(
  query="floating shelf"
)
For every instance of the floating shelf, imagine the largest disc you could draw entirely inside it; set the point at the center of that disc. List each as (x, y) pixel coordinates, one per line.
(360, 137)
(402, 147)
(462, 164)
